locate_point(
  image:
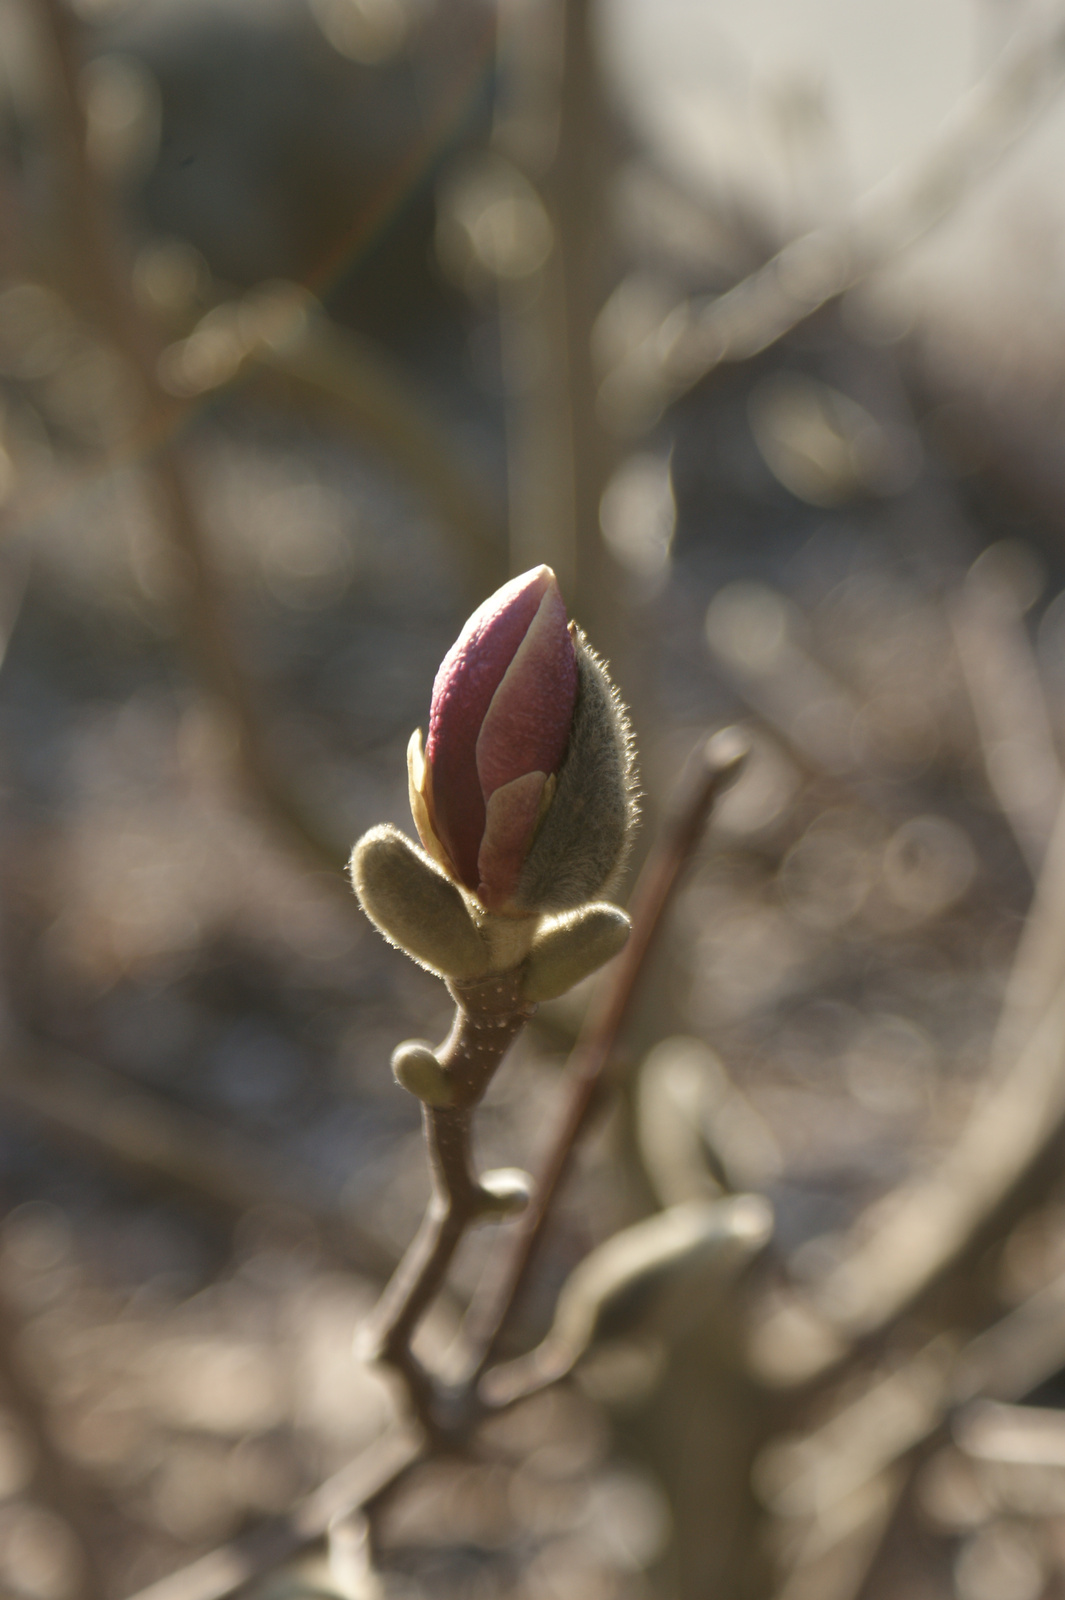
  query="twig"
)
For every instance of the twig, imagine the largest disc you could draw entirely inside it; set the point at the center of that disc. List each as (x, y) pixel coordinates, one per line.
(204, 619)
(553, 120)
(233, 1565)
(83, 1104)
(1017, 1353)
(1011, 1434)
(718, 764)
(488, 1016)
(281, 335)
(1007, 698)
(899, 1421)
(358, 382)
(60, 1483)
(932, 1224)
(823, 264)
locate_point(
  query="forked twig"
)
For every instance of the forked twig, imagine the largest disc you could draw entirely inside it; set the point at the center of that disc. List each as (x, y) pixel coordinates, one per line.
(488, 1016)
(204, 620)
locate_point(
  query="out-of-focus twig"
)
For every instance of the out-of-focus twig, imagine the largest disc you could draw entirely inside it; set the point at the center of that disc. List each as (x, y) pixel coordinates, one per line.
(929, 1227)
(1007, 697)
(60, 1483)
(279, 332)
(1018, 1435)
(82, 1104)
(902, 1418)
(554, 122)
(357, 381)
(586, 1075)
(1017, 1353)
(932, 1223)
(203, 615)
(819, 266)
(233, 1565)
(698, 1133)
(1038, 970)
(842, 1544)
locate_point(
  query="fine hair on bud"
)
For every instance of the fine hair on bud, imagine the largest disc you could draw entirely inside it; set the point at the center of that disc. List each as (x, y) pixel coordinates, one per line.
(567, 948)
(415, 906)
(583, 840)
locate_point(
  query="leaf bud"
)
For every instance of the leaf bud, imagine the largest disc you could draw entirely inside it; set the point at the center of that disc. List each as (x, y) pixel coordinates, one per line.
(567, 948)
(416, 906)
(506, 1191)
(416, 1069)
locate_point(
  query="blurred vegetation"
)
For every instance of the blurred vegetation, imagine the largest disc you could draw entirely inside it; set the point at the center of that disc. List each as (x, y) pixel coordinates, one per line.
(317, 318)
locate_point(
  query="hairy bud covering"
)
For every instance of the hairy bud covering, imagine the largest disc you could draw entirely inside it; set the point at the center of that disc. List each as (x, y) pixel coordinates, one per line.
(568, 948)
(525, 793)
(415, 906)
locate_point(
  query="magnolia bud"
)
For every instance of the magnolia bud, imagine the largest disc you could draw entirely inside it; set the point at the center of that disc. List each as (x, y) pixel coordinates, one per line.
(525, 791)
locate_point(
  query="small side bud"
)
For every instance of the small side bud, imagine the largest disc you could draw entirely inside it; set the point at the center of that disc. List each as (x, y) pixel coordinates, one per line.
(415, 906)
(618, 1287)
(416, 1069)
(506, 1192)
(566, 949)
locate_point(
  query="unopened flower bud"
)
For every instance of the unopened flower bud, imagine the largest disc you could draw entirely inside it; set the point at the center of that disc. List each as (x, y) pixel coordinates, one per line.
(525, 791)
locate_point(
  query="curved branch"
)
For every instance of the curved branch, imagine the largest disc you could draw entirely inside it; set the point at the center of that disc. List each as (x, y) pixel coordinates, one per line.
(589, 1064)
(821, 265)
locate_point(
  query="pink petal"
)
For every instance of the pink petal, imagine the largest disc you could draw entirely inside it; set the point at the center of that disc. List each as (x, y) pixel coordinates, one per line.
(511, 817)
(469, 676)
(526, 726)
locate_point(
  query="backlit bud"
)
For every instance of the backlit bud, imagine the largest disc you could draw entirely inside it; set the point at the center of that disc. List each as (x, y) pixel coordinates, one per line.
(524, 792)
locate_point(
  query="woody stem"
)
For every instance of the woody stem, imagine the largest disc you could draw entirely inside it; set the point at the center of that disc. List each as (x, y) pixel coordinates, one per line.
(488, 1016)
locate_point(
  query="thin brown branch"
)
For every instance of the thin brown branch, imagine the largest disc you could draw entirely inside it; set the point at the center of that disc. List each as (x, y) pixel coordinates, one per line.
(821, 265)
(934, 1223)
(233, 1565)
(488, 1016)
(280, 336)
(588, 1068)
(1000, 673)
(358, 383)
(84, 1105)
(204, 621)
